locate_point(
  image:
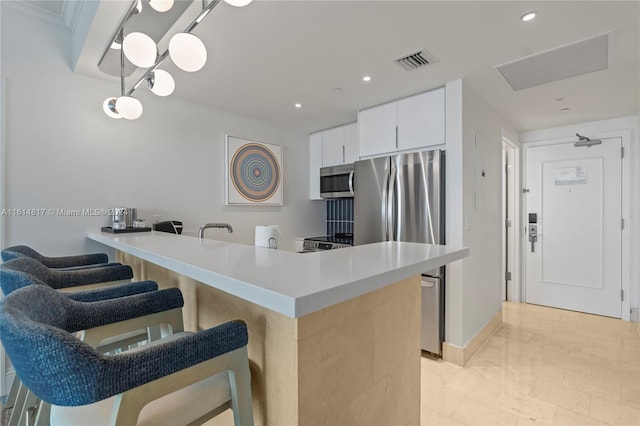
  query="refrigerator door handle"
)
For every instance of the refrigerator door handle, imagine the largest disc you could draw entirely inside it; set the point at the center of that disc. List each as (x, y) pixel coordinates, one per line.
(351, 181)
(385, 202)
(391, 204)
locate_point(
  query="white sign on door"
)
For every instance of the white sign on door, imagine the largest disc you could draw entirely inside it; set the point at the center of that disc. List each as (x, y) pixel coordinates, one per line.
(570, 175)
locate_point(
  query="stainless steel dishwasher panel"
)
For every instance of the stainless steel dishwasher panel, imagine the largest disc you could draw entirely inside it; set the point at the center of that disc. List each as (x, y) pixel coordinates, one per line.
(430, 323)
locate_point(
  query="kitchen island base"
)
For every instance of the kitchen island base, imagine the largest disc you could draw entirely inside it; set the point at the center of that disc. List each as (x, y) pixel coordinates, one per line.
(354, 363)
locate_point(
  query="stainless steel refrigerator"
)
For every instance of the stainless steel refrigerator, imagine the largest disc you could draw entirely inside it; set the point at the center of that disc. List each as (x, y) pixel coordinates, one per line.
(401, 198)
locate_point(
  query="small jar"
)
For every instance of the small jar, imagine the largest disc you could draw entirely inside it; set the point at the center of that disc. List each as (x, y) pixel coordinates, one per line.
(139, 223)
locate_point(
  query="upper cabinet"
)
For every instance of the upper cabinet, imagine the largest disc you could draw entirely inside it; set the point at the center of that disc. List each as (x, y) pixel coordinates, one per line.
(339, 145)
(410, 123)
(421, 120)
(377, 128)
(350, 143)
(315, 162)
(331, 147)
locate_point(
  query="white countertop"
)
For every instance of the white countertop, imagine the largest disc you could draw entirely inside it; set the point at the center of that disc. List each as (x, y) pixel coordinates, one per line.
(293, 284)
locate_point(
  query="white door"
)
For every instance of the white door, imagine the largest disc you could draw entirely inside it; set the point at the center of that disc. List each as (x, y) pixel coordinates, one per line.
(576, 195)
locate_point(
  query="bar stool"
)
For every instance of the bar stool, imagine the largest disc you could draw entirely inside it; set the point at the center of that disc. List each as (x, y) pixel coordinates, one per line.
(15, 274)
(207, 371)
(78, 261)
(70, 280)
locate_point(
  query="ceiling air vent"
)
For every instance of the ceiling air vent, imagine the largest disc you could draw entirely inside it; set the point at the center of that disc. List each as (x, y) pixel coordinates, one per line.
(415, 60)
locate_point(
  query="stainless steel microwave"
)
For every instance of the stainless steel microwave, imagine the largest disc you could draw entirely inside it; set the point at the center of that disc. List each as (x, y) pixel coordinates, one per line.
(336, 181)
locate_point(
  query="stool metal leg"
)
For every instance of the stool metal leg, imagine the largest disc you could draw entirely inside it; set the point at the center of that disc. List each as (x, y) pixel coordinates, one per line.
(18, 405)
(13, 392)
(29, 410)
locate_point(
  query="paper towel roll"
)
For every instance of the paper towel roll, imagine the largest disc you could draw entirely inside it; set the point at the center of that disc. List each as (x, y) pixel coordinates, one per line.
(268, 236)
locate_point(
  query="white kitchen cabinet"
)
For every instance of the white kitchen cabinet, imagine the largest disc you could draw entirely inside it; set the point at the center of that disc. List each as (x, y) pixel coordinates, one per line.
(340, 145)
(350, 143)
(377, 129)
(333, 147)
(410, 123)
(315, 163)
(421, 120)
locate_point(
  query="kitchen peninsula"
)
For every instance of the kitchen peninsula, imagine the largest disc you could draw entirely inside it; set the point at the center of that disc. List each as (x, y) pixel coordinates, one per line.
(333, 335)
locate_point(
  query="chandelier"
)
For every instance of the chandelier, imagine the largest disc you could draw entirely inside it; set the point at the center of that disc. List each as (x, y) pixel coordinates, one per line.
(185, 49)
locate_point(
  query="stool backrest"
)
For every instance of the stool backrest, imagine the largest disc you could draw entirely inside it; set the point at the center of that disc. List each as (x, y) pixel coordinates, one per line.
(16, 252)
(21, 272)
(51, 362)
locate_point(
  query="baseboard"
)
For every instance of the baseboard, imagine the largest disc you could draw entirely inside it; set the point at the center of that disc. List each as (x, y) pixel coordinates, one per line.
(460, 356)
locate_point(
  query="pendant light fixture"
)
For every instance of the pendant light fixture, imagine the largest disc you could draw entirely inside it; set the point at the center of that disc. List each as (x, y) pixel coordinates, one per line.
(161, 5)
(186, 50)
(125, 106)
(129, 107)
(161, 83)
(140, 49)
(238, 3)
(109, 107)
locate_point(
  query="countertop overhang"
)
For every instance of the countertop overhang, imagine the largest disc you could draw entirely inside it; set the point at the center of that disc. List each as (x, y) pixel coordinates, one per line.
(293, 284)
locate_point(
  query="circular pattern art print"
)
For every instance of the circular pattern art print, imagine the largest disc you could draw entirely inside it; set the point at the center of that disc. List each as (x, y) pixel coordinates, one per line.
(255, 172)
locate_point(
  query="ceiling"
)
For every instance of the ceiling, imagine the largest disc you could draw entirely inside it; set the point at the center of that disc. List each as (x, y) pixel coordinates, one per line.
(264, 58)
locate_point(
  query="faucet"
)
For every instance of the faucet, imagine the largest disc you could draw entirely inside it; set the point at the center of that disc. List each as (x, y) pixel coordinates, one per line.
(213, 225)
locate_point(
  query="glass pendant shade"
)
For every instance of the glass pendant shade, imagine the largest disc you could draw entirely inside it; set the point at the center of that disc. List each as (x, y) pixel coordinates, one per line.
(140, 49)
(161, 5)
(129, 107)
(187, 52)
(238, 3)
(162, 83)
(109, 107)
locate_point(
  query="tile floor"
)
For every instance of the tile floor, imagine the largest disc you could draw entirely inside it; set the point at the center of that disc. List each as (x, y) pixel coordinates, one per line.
(544, 366)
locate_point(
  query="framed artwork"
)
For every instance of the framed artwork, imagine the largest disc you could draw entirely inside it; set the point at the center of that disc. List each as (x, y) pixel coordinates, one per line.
(253, 172)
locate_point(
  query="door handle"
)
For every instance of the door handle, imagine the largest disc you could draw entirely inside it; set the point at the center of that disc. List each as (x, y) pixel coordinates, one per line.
(533, 236)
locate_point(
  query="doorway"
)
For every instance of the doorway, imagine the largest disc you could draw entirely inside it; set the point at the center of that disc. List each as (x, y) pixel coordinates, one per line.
(510, 220)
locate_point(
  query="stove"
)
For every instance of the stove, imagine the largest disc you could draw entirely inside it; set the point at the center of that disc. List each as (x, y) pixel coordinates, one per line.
(327, 242)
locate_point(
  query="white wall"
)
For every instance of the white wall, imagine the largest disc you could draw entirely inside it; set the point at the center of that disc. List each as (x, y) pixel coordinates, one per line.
(62, 151)
(474, 285)
(593, 129)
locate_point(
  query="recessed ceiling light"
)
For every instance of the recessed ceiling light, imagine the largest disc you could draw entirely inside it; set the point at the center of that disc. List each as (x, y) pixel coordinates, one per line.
(529, 16)
(298, 105)
(564, 110)
(366, 78)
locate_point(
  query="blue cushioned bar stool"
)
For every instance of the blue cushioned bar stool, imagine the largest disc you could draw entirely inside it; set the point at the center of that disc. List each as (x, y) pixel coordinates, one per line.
(82, 260)
(184, 379)
(71, 280)
(142, 309)
(15, 274)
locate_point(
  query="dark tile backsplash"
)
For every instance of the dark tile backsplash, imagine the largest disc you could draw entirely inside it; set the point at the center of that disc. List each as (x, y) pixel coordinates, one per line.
(340, 216)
